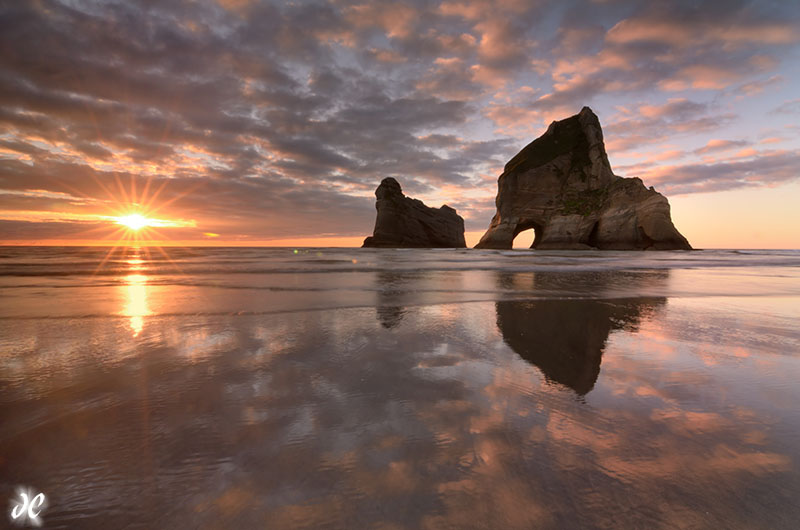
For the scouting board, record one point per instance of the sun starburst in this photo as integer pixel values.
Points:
(134, 221)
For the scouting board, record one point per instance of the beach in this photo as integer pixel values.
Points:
(384, 388)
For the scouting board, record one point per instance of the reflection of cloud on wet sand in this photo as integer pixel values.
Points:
(327, 418)
(620, 463)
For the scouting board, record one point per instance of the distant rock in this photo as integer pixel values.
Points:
(562, 186)
(403, 222)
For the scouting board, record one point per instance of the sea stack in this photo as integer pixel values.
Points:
(403, 222)
(562, 186)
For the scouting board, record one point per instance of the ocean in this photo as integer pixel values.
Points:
(382, 388)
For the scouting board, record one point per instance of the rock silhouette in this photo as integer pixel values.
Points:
(562, 186)
(403, 222)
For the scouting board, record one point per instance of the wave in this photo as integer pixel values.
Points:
(90, 262)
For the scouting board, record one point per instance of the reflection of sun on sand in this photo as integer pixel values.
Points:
(136, 307)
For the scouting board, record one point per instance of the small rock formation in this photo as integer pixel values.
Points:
(562, 186)
(403, 222)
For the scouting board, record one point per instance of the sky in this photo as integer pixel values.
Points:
(256, 123)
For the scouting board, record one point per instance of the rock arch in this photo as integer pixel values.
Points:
(561, 184)
(521, 228)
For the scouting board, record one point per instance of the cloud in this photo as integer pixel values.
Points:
(787, 107)
(756, 87)
(199, 104)
(681, 29)
(312, 103)
(720, 145)
(670, 46)
(648, 124)
(450, 77)
(674, 110)
(755, 168)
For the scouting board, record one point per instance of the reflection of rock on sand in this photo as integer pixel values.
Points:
(565, 338)
(390, 316)
(391, 286)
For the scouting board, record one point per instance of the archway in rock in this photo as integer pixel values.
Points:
(524, 239)
(526, 235)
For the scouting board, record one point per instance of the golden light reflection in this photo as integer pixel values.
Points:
(136, 308)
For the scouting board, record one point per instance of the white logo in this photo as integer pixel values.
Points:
(27, 508)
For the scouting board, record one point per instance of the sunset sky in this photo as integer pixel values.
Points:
(246, 122)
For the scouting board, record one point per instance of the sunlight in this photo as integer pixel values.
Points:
(134, 221)
(137, 221)
(524, 240)
(136, 307)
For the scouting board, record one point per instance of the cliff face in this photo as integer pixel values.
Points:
(403, 222)
(562, 186)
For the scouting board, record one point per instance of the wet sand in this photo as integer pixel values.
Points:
(414, 403)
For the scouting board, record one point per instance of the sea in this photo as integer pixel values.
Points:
(167, 387)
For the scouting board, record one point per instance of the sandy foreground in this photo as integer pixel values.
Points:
(404, 398)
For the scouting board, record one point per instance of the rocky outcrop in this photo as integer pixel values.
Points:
(403, 222)
(562, 186)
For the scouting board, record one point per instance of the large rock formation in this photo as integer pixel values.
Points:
(562, 186)
(407, 223)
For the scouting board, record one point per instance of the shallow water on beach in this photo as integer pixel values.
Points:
(350, 388)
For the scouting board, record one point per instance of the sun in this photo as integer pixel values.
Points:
(134, 221)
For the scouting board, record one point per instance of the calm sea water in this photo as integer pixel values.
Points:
(356, 388)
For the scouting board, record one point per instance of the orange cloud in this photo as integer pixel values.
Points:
(395, 19)
(679, 34)
(719, 145)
